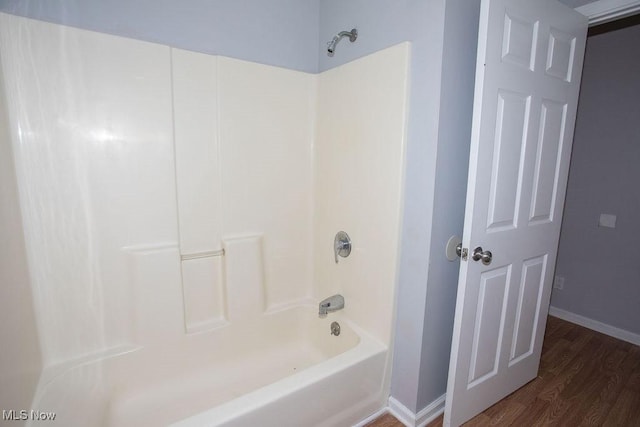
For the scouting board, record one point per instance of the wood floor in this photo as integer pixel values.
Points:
(585, 379)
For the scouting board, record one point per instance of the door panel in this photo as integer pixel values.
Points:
(560, 57)
(489, 325)
(519, 41)
(552, 121)
(511, 126)
(531, 286)
(527, 82)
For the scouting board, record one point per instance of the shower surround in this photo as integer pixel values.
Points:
(179, 211)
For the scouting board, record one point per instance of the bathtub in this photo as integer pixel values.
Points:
(280, 369)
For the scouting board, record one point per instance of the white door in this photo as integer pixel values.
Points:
(527, 81)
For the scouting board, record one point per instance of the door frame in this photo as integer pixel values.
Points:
(602, 11)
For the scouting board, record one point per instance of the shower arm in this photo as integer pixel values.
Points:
(331, 46)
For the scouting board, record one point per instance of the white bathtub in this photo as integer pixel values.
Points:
(282, 369)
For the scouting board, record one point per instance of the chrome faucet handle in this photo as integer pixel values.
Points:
(341, 245)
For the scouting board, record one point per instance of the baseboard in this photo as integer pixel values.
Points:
(401, 412)
(595, 325)
(422, 418)
(430, 412)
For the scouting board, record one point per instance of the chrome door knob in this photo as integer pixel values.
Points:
(485, 256)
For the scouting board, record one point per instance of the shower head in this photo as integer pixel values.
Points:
(331, 46)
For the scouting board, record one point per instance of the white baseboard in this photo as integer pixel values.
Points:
(595, 325)
(431, 412)
(422, 418)
(401, 412)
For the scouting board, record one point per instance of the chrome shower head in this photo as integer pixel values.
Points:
(331, 46)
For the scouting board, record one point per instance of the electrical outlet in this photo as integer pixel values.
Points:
(558, 283)
(607, 220)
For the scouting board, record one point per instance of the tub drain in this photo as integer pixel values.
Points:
(335, 328)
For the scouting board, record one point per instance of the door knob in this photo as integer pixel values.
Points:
(479, 254)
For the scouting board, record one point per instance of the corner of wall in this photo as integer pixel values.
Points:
(454, 133)
(417, 233)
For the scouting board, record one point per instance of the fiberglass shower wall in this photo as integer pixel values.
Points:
(90, 119)
(20, 361)
(137, 164)
(244, 149)
(93, 132)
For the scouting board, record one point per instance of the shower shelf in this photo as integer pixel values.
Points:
(197, 255)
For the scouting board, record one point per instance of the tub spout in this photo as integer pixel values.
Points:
(333, 303)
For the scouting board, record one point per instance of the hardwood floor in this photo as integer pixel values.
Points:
(387, 420)
(585, 379)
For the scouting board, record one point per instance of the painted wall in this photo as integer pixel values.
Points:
(456, 108)
(20, 359)
(275, 32)
(603, 179)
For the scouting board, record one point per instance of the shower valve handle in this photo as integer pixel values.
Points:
(341, 245)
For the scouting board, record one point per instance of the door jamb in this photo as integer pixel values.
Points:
(602, 11)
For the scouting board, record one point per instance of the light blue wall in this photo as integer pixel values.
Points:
(381, 23)
(275, 32)
(454, 136)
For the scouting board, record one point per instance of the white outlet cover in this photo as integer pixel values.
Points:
(607, 220)
(558, 283)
